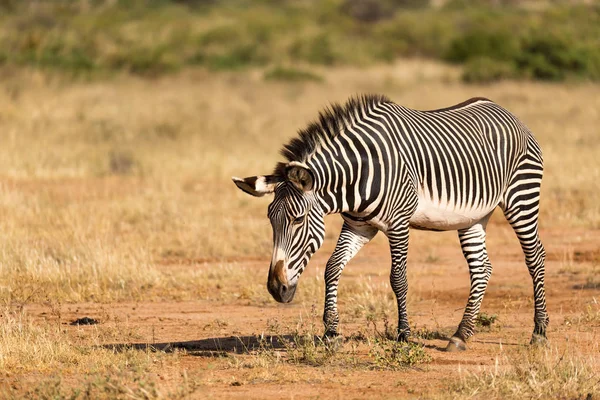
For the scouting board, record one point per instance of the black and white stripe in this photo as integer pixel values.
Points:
(387, 168)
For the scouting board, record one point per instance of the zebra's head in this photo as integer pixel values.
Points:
(297, 220)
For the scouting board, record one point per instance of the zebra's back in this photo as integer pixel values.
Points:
(461, 158)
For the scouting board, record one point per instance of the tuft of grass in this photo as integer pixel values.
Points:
(390, 354)
(486, 320)
(310, 349)
(299, 345)
(305, 346)
(428, 334)
(432, 258)
(533, 373)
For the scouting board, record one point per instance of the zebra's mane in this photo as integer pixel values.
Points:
(329, 124)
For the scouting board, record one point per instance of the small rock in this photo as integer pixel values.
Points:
(85, 321)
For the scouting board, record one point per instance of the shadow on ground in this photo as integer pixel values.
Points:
(211, 347)
(222, 346)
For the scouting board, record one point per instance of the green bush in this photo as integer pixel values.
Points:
(416, 33)
(232, 47)
(486, 70)
(493, 40)
(291, 75)
(144, 61)
(316, 50)
(555, 55)
(551, 57)
(479, 43)
(54, 51)
(237, 57)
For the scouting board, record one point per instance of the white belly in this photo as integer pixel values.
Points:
(444, 217)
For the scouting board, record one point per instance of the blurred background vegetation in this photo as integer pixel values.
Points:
(492, 39)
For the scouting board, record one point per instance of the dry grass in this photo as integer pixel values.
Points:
(533, 374)
(119, 191)
(27, 346)
(49, 360)
(589, 318)
(108, 386)
(104, 180)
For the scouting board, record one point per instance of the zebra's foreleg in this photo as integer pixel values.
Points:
(399, 248)
(352, 238)
(472, 242)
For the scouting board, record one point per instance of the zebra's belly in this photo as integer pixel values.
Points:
(432, 215)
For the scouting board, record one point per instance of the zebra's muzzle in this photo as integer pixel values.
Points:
(278, 284)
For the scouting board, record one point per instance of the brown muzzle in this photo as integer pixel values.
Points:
(278, 283)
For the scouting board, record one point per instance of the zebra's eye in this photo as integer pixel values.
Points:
(298, 220)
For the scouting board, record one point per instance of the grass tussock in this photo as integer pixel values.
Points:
(389, 354)
(26, 347)
(485, 320)
(429, 334)
(533, 374)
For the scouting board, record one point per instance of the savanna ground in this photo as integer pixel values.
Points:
(116, 204)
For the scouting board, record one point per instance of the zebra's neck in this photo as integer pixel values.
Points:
(347, 178)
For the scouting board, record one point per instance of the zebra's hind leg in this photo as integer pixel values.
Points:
(352, 238)
(521, 209)
(472, 242)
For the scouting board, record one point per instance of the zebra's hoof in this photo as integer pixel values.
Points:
(330, 335)
(538, 340)
(332, 341)
(456, 344)
(402, 337)
(403, 332)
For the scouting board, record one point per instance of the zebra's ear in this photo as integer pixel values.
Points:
(300, 175)
(257, 185)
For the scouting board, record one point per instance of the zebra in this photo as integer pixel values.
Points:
(389, 168)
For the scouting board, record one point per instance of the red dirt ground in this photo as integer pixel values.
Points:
(438, 295)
